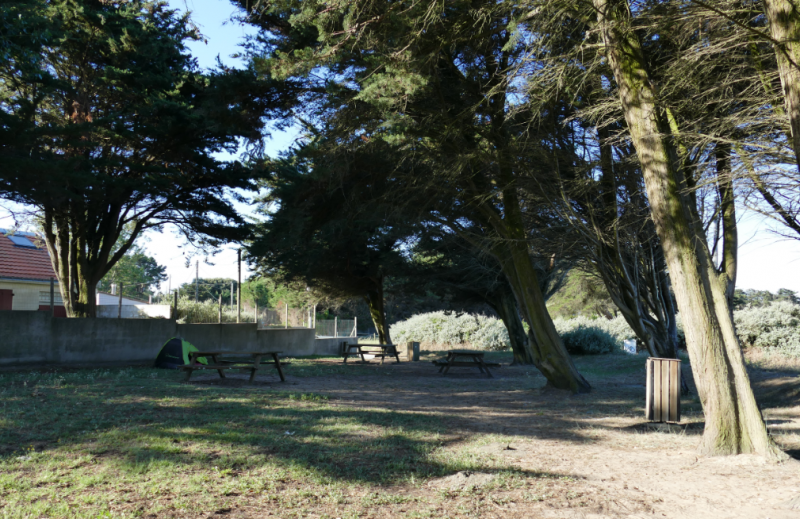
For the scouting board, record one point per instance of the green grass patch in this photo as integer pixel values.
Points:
(134, 442)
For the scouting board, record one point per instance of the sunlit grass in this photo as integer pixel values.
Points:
(132, 442)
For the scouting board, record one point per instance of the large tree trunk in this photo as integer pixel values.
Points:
(377, 312)
(784, 24)
(549, 354)
(733, 423)
(505, 304)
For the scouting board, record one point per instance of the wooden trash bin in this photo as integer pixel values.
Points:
(663, 402)
(412, 351)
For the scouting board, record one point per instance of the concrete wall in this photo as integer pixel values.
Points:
(330, 346)
(36, 339)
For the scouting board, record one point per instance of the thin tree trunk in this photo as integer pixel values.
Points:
(377, 312)
(505, 304)
(784, 25)
(730, 236)
(733, 423)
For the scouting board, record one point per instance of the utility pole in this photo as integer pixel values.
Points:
(196, 280)
(239, 288)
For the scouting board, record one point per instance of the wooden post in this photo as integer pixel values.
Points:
(335, 326)
(239, 289)
(286, 313)
(255, 302)
(175, 308)
(219, 312)
(52, 297)
(119, 308)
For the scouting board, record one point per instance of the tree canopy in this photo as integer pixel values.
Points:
(118, 131)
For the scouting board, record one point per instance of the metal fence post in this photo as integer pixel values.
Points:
(239, 290)
(355, 326)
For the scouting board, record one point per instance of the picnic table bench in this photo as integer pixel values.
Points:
(475, 361)
(378, 350)
(220, 363)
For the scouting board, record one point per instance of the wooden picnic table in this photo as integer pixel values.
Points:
(364, 349)
(220, 363)
(475, 361)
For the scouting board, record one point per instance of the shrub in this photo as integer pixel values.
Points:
(208, 312)
(776, 327)
(449, 328)
(585, 336)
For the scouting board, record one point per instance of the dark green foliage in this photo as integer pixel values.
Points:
(324, 230)
(586, 340)
(209, 289)
(751, 297)
(139, 274)
(119, 134)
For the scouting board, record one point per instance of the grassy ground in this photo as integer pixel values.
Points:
(334, 441)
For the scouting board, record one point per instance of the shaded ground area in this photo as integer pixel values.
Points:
(371, 440)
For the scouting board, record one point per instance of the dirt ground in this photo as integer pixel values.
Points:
(588, 456)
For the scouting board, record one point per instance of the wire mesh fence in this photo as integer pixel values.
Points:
(336, 328)
(283, 316)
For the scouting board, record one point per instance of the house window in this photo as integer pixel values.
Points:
(44, 298)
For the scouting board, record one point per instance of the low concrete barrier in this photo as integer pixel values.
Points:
(134, 311)
(29, 338)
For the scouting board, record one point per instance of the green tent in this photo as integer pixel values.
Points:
(175, 353)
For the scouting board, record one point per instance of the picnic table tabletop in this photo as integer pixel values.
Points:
(220, 365)
(361, 350)
(229, 352)
(452, 361)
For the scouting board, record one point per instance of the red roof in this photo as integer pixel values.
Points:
(24, 262)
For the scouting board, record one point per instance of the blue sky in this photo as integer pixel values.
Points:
(766, 262)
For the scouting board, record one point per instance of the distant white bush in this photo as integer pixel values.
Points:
(449, 328)
(776, 327)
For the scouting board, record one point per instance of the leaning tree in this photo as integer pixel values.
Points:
(434, 82)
